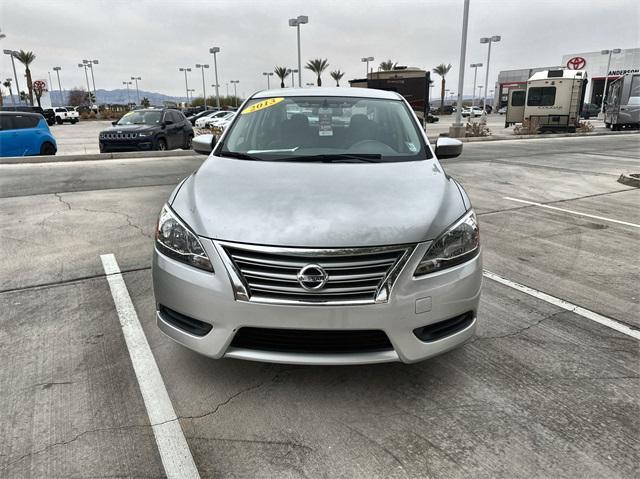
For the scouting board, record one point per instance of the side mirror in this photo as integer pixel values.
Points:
(204, 144)
(448, 148)
(167, 123)
(114, 123)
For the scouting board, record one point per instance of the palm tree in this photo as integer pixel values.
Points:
(282, 73)
(317, 66)
(388, 65)
(26, 58)
(442, 70)
(337, 76)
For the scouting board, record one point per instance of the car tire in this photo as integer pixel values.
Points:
(187, 144)
(59, 120)
(161, 145)
(607, 125)
(47, 149)
(74, 121)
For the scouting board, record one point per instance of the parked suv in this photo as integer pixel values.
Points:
(46, 113)
(65, 115)
(148, 129)
(23, 134)
(322, 229)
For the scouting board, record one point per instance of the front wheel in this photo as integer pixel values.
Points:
(74, 121)
(59, 120)
(162, 144)
(187, 143)
(47, 149)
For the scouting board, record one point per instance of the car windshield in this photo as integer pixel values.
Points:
(141, 118)
(325, 128)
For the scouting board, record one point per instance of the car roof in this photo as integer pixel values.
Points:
(21, 113)
(329, 91)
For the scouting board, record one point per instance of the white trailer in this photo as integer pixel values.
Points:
(552, 102)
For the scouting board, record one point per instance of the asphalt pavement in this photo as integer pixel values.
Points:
(549, 387)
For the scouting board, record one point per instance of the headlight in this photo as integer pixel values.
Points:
(144, 134)
(176, 240)
(458, 244)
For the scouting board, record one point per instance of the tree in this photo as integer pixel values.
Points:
(317, 66)
(145, 102)
(442, 70)
(282, 73)
(337, 76)
(388, 65)
(39, 87)
(77, 97)
(26, 58)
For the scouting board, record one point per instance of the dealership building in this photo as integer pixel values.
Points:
(594, 63)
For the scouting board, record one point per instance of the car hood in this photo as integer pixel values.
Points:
(129, 128)
(319, 204)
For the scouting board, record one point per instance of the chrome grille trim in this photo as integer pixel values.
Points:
(267, 274)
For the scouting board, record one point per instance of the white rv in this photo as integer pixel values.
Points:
(552, 101)
(623, 103)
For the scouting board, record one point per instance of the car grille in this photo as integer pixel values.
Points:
(312, 341)
(354, 275)
(119, 136)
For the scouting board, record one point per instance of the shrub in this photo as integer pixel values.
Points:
(528, 127)
(585, 127)
(478, 128)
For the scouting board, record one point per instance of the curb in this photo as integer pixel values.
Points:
(545, 136)
(630, 179)
(96, 156)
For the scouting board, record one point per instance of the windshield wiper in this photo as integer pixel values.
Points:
(337, 158)
(241, 156)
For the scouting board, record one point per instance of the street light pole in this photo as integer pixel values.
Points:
(268, 75)
(489, 40)
(186, 83)
(457, 129)
(293, 70)
(127, 83)
(606, 75)
(137, 90)
(15, 75)
(57, 70)
(473, 92)
(84, 65)
(367, 60)
(204, 90)
(214, 50)
(296, 22)
(235, 92)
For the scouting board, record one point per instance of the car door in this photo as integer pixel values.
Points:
(171, 130)
(23, 136)
(8, 136)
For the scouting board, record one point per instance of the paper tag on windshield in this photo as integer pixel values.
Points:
(324, 122)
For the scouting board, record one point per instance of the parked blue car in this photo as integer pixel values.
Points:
(23, 134)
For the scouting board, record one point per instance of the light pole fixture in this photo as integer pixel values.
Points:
(606, 74)
(291, 71)
(268, 75)
(296, 22)
(186, 84)
(213, 51)
(192, 92)
(137, 90)
(475, 67)
(90, 64)
(57, 70)
(9, 80)
(86, 74)
(457, 129)
(367, 60)
(479, 91)
(13, 53)
(489, 40)
(235, 91)
(202, 66)
(127, 83)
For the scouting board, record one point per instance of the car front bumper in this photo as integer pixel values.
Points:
(209, 297)
(140, 144)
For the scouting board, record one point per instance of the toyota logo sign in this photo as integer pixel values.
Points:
(576, 63)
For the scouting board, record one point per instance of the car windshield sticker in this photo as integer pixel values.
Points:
(324, 120)
(412, 147)
(261, 105)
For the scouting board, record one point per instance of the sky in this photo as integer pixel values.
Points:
(152, 39)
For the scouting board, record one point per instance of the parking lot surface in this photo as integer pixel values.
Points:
(546, 389)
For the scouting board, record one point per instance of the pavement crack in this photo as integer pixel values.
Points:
(373, 441)
(66, 203)
(521, 330)
(69, 441)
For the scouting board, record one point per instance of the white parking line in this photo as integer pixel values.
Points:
(172, 445)
(585, 313)
(541, 205)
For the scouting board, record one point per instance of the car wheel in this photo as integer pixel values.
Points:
(187, 144)
(162, 144)
(59, 120)
(607, 125)
(47, 149)
(74, 121)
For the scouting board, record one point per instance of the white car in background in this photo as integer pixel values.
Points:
(201, 122)
(219, 121)
(474, 110)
